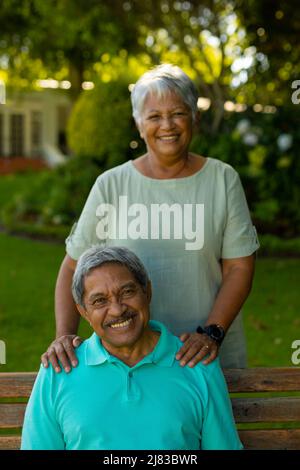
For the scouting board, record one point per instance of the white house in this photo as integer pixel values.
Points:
(33, 125)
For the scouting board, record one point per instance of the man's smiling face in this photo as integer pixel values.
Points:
(116, 306)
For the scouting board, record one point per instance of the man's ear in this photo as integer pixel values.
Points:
(149, 291)
(83, 312)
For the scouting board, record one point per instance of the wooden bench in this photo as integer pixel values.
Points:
(248, 407)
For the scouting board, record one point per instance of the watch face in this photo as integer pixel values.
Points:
(215, 332)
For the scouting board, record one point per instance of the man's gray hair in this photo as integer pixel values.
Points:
(159, 81)
(95, 257)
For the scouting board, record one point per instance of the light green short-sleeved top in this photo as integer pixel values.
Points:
(180, 229)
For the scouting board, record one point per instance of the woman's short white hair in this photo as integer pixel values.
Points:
(159, 81)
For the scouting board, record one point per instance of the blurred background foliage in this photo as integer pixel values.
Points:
(242, 52)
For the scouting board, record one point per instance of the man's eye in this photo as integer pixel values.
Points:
(100, 301)
(153, 117)
(128, 291)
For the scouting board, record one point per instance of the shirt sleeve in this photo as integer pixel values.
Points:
(83, 233)
(41, 431)
(218, 430)
(239, 237)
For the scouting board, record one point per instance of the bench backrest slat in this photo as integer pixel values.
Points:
(263, 379)
(266, 410)
(16, 385)
(271, 439)
(12, 415)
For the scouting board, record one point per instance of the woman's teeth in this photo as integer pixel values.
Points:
(121, 324)
(169, 138)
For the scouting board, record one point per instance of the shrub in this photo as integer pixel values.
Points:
(54, 200)
(101, 124)
(263, 149)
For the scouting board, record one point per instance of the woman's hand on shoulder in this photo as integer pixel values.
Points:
(196, 347)
(62, 350)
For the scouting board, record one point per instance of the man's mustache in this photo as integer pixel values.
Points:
(125, 316)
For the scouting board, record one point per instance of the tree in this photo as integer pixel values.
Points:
(67, 40)
(273, 29)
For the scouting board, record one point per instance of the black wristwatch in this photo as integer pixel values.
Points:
(215, 332)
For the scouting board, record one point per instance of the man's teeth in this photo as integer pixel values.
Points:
(122, 324)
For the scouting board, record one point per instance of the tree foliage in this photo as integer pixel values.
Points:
(63, 35)
(233, 49)
(70, 38)
(273, 28)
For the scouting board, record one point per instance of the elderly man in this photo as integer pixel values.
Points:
(128, 391)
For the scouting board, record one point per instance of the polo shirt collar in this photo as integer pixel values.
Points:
(163, 354)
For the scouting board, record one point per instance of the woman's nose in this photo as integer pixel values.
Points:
(167, 123)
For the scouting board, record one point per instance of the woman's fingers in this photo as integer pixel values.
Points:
(196, 348)
(206, 352)
(211, 357)
(77, 341)
(44, 360)
(183, 348)
(69, 351)
(61, 353)
(57, 356)
(192, 350)
(184, 337)
(188, 343)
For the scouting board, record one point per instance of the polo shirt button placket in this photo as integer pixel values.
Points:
(132, 389)
(129, 386)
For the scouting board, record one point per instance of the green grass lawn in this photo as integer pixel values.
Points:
(28, 272)
(272, 312)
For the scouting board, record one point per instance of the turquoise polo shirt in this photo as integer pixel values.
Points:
(105, 404)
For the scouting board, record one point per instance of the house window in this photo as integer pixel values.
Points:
(17, 135)
(36, 133)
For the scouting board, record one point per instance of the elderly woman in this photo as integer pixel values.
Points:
(187, 219)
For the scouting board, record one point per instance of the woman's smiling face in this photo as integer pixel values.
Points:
(166, 125)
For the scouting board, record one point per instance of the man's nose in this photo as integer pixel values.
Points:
(116, 308)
